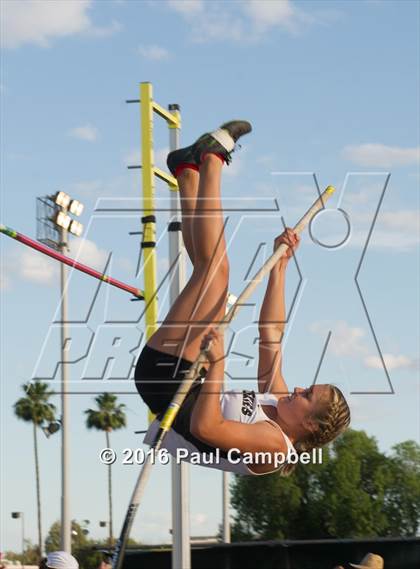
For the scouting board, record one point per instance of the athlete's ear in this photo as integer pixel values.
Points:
(310, 424)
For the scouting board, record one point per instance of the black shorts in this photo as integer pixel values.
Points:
(158, 376)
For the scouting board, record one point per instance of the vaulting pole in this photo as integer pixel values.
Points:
(70, 262)
(193, 372)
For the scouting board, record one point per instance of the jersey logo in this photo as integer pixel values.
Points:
(248, 398)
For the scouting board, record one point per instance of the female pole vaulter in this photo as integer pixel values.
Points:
(262, 425)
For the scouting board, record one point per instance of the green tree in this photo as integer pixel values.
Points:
(36, 409)
(82, 547)
(257, 500)
(88, 552)
(107, 417)
(402, 504)
(353, 486)
(29, 557)
(356, 492)
(79, 537)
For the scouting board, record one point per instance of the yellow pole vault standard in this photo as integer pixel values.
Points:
(185, 386)
(149, 220)
(149, 171)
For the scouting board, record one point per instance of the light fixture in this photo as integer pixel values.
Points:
(62, 220)
(63, 206)
(102, 524)
(76, 228)
(62, 199)
(51, 428)
(76, 207)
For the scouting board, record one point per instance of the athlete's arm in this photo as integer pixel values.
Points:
(209, 425)
(272, 321)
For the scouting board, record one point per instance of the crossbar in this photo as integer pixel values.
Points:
(70, 262)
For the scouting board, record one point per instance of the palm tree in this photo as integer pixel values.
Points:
(35, 409)
(108, 417)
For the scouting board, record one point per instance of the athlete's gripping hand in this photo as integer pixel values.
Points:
(214, 346)
(289, 238)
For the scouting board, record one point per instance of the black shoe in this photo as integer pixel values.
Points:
(236, 129)
(180, 156)
(221, 141)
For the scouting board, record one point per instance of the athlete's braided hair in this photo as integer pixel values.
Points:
(332, 417)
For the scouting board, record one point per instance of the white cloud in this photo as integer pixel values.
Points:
(38, 22)
(105, 31)
(404, 220)
(132, 157)
(345, 340)
(87, 252)
(38, 268)
(392, 361)
(266, 14)
(217, 25)
(238, 21)
(348, 341)
(117, 186)
(398, 230)
(187, 7)
(394, 241)
(27, 264)
(380, 155)
(35, 267)
(153, 52)
(357, 198)
(86, 132)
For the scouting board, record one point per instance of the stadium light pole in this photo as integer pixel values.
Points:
(21, 516)
(62, 206)
(226, 507)
(65, 507)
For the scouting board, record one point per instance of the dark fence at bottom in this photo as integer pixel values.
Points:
(398, 553)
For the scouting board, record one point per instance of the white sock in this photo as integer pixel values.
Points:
(223, 137)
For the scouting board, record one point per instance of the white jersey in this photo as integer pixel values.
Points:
(241, 406)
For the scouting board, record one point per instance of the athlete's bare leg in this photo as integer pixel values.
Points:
(202, 302)
(188, 181)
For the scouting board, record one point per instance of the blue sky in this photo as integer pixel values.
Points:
(331, 89)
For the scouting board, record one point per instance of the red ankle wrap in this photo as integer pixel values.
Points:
(183, 166)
